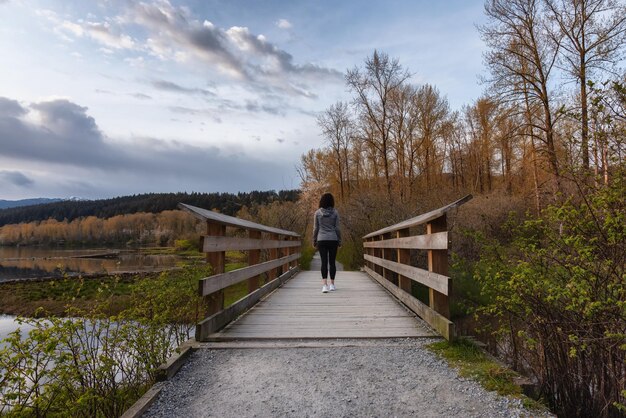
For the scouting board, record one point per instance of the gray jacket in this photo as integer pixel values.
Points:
(326, 226)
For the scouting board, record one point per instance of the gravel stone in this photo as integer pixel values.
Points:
(378, 378)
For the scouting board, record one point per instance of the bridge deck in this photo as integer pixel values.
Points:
(359, 308)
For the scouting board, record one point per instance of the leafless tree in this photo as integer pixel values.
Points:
(521, 59)
(338, 130)
(592, 35)
(373, 87)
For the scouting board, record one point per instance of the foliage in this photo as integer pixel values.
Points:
(92, 364)
(559, 297)
(306, 257)
(227, 203)
(350, 256)
(473, 363)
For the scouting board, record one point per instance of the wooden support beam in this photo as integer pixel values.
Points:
(254, 257)
(215, 302)
(438, 263)
(273, 255)
(404, 257)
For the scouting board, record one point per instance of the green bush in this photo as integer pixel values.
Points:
(306, 256)
(558, 296)
(96, 365)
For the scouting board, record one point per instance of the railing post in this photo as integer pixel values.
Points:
(404, 257)
(438, 263)
(273, 254)
(254, 256)
(293, 250)
(284, 252)
(217, 260)
(379, 253)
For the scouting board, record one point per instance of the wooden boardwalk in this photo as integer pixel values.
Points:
(359, 308)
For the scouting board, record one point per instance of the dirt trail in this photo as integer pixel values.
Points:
(325, 378)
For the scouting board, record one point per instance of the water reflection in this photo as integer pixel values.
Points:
(31, 262)
(8, 324)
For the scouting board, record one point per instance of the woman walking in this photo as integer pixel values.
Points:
(327, 238)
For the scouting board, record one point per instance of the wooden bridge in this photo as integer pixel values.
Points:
(273, 336)
(365, 304)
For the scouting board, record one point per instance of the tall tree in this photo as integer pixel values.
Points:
(374, 87)
(433, 117)
(591, 34)
(338, 130)
(521, 58)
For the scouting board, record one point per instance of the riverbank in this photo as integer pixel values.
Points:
(54, 297)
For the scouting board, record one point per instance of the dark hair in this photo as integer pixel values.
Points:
(327, 201)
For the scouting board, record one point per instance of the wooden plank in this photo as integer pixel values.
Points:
(219, 320)
(273, 255)
(169, 369)
(143, 403)
(359, 308)
(217, 260)
(433, 280)
(213, 284)
(403, 255)
(421, 219)
(441, 324)
(438, 241)
(208, 215)
(438, 264)
(254, 256)
(212, 243)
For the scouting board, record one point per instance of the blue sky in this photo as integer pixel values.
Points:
(105, 98)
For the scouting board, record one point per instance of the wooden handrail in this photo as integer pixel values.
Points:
(282, 263)
(209, 215)
(421, 219)
(388, 260)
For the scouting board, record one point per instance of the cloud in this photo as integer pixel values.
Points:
(61, 137)
(102, 32)
(284, 24)
(235, 52)
(141, 96)
(11, 108)
(15, 178)
(170, 86)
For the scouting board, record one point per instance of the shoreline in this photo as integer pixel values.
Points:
(23, 297)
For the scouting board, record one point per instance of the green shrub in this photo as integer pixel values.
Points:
(93, 364)
(558, 296)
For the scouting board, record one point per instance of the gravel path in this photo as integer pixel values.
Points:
(326, 378)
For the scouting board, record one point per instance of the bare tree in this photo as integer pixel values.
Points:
(433, 117)
(521, 59)
(373, 88)
(338, 130)
(591, 34)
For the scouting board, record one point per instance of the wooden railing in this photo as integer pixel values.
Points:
(388, 260)
(282, 251)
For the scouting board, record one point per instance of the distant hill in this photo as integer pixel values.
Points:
(227, 203)
(5, 204)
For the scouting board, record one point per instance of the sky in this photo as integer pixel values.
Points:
(105, 98)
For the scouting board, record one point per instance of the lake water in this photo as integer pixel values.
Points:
(36, 262)
(8, 324)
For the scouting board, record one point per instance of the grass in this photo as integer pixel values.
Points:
(472, 363)
(306, 257)
(348, 256)
(24, 298)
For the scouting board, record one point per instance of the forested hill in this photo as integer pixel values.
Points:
(227, 203)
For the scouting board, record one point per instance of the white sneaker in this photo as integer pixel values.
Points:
(324, 289)
(332, 288)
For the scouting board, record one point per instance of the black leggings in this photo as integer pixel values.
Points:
(328, 253)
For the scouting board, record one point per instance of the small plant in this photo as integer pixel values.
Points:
(472, 363)
(92, 363)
